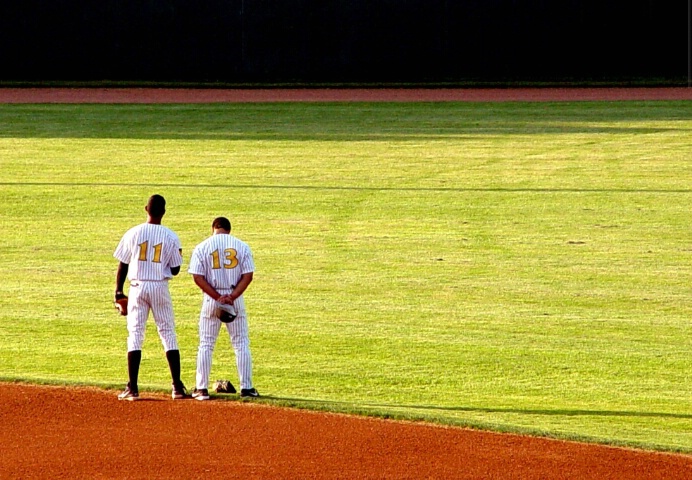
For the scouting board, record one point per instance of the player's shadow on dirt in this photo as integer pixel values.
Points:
(522, 411)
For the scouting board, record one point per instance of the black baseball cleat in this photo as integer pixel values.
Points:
(249, 393)
(130, 394)
(179, 392)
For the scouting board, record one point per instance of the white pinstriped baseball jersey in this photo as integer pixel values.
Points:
(150, 250)
(222, 259)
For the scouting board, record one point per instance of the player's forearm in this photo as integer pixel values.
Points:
(121, 276)
(205, 286)
(239, 289)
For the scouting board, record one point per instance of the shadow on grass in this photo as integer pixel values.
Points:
(337, 122)
(342, 406)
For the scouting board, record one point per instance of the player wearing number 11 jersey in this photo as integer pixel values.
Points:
(222, 267)
(150, 255)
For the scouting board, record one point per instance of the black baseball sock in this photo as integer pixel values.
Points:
(173, 357)
(133, 359)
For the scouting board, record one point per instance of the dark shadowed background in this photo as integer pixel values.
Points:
(350, 41)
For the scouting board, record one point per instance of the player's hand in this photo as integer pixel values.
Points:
(120, 301)
(226, 299)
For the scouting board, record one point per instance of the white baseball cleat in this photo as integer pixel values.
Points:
(130, 394)
(200, 394)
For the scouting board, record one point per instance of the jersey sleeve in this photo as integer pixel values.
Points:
(248, 263)
(176, 252)
(123, 252)
(196, 266)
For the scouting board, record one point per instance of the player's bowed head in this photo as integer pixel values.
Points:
(156, 208)
(221, 225)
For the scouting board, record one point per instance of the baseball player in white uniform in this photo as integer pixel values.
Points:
(150, 255)
(222, 267)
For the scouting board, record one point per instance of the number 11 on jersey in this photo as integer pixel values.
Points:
(143, 250)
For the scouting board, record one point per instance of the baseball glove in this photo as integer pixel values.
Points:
(224, 386)
(120, 303)
(226, 313)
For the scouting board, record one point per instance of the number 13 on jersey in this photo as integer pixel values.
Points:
(229, 259)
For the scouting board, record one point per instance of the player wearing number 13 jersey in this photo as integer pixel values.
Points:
(222, 267)
(150, 255)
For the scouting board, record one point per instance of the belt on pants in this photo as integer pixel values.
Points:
(135, 283)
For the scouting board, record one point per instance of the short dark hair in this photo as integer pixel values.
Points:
(221, 222)
(156, 206)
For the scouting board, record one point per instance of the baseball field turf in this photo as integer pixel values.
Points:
(521, 267)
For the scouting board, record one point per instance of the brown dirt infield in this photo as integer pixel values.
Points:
(51, 432)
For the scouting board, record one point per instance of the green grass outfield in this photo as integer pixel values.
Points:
(522, 267)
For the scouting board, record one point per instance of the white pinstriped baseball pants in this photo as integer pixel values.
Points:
(209, 328)
(143, 297)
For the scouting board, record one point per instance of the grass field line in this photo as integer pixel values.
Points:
(337, 188)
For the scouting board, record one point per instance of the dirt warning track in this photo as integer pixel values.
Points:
(174, 95)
